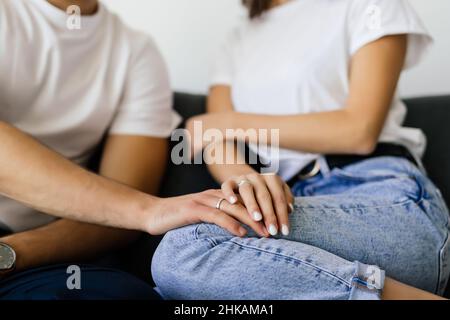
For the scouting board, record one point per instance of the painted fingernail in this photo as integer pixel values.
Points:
(233, 200)
(291, 206)
(257, 216)
(285, 230)
(273, 230)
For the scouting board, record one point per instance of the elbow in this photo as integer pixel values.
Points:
(364, 142)
(366, 147)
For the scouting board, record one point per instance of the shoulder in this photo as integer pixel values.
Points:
(140, 44)
(384, 8)
(10, 9)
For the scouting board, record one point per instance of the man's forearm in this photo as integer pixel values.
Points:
(40, 178)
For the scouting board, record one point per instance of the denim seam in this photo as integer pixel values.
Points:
(316, 208)
(441, 252)
(326, 272)
(208, 239)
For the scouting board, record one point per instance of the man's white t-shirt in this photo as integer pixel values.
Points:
(67, 88)
(295, 59)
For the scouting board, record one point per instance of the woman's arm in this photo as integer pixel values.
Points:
(355, 129)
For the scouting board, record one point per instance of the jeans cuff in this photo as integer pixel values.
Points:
(367, 283)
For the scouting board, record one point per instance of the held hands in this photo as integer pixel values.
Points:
(207, 207)
(266, 197)
(261, 201)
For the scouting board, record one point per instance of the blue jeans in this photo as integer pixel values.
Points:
(97, 283)
(349, 226)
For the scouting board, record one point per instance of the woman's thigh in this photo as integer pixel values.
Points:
(383, 211)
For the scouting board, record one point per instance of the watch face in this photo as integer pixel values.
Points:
(7, 257)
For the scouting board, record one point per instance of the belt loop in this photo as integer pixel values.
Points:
(324, 167)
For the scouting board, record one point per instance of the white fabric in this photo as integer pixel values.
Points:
(67, 88)
(295, 60)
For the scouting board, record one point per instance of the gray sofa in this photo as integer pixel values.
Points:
(431, 114)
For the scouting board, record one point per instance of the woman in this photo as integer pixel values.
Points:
(323, 73)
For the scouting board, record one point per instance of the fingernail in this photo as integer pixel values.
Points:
(291, 206)
(257, 216)
(273, 230)
(233, 200)
(285, 230)
(242, 231)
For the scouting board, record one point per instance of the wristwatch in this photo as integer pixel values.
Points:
(7, 258)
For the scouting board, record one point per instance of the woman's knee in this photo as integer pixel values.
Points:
(181, 253)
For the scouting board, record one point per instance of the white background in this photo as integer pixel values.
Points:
(189, 31)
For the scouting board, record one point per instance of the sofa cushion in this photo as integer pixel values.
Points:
(432, 115)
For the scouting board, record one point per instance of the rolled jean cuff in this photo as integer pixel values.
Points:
(367, 283)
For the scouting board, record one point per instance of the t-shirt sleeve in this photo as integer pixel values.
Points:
(222, 66)
(370, 20)
(146, 104)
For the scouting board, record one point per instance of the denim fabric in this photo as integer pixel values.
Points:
(381, 212)
(50, 283)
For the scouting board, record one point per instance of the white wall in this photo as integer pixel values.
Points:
(189, 31)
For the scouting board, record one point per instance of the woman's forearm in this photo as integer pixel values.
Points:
(40, 178)
(326, 132)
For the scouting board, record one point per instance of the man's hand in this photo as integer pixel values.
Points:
(177, 212)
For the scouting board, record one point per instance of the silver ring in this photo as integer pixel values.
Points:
(219, 203)
(241, 183)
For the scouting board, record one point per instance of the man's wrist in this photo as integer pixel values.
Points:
(19, 243)
(148, 210)
(6, 273)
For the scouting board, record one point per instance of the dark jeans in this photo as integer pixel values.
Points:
(97, 283)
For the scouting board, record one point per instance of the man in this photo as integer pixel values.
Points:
(61, 91)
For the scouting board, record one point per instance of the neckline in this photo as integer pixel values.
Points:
(59, 17)
(281, 9)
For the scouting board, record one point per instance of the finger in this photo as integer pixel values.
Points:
(236, 211)
(228, 188)
(249, 200)
(289, 197)
(217, 217)
(266, 204)
(240, 213)
(276, 189)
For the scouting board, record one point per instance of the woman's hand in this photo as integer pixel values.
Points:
(266, 197)
(172, 213)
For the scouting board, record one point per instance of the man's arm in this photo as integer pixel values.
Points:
(135, 161)
(42, 179)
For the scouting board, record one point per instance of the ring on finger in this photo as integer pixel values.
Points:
(242, 182)
(219, 203)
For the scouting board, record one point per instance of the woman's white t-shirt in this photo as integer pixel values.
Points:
(295, 59)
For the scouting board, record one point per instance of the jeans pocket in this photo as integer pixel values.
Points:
(392, 187)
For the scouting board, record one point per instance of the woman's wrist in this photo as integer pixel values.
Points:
(224, 172)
